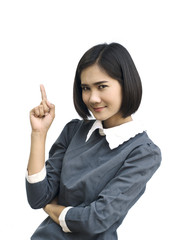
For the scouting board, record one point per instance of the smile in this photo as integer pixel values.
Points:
(99, 109)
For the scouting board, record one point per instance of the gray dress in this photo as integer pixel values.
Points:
(99, 183)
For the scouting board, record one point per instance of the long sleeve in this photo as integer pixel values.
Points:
(119, 195)
(41, 193)
(38, 177)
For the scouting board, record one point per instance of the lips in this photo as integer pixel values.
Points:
(98, 109)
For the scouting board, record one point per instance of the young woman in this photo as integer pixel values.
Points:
(97, 169)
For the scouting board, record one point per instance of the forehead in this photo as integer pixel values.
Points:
(94, 74)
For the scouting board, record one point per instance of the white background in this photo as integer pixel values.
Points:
(42, 42)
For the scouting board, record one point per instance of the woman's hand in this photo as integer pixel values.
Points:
(54, 210)
(42, 116)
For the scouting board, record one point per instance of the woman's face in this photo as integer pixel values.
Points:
(102, 95)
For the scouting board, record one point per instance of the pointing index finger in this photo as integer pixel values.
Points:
(43, 92)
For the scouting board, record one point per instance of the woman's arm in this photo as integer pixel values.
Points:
(41, 118)
(37, 153)
(54, 210)
(119, 195)
(39, 194)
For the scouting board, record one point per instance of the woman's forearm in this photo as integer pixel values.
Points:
(37, 153)
(54, 211)
(41, 118)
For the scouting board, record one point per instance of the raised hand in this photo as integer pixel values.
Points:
(41, 117)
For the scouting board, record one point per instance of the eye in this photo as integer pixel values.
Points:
(102, 86)
(85, 88)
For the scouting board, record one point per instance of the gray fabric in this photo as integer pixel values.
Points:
(101, 184)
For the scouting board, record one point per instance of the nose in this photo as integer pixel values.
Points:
(94, 98)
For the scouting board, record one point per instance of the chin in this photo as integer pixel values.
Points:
(100, 118)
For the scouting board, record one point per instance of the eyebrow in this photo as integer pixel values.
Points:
(96, 83)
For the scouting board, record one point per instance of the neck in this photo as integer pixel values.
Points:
(109, 123)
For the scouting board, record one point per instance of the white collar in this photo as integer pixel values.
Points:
(115, 136)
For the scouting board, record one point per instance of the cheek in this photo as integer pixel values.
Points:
(115, 98)
(119, 97)
(84, 98)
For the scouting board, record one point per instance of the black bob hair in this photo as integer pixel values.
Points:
(116, 61)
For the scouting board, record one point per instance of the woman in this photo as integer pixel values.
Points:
(97, 169)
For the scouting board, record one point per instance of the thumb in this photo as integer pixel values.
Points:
(51, 106)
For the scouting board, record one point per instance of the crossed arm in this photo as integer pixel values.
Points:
(54, 210)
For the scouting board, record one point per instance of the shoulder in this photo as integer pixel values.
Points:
(144, 147)
(149, 144)
(143, 140)
(77, 123)
(73, 124)
(65, 136)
